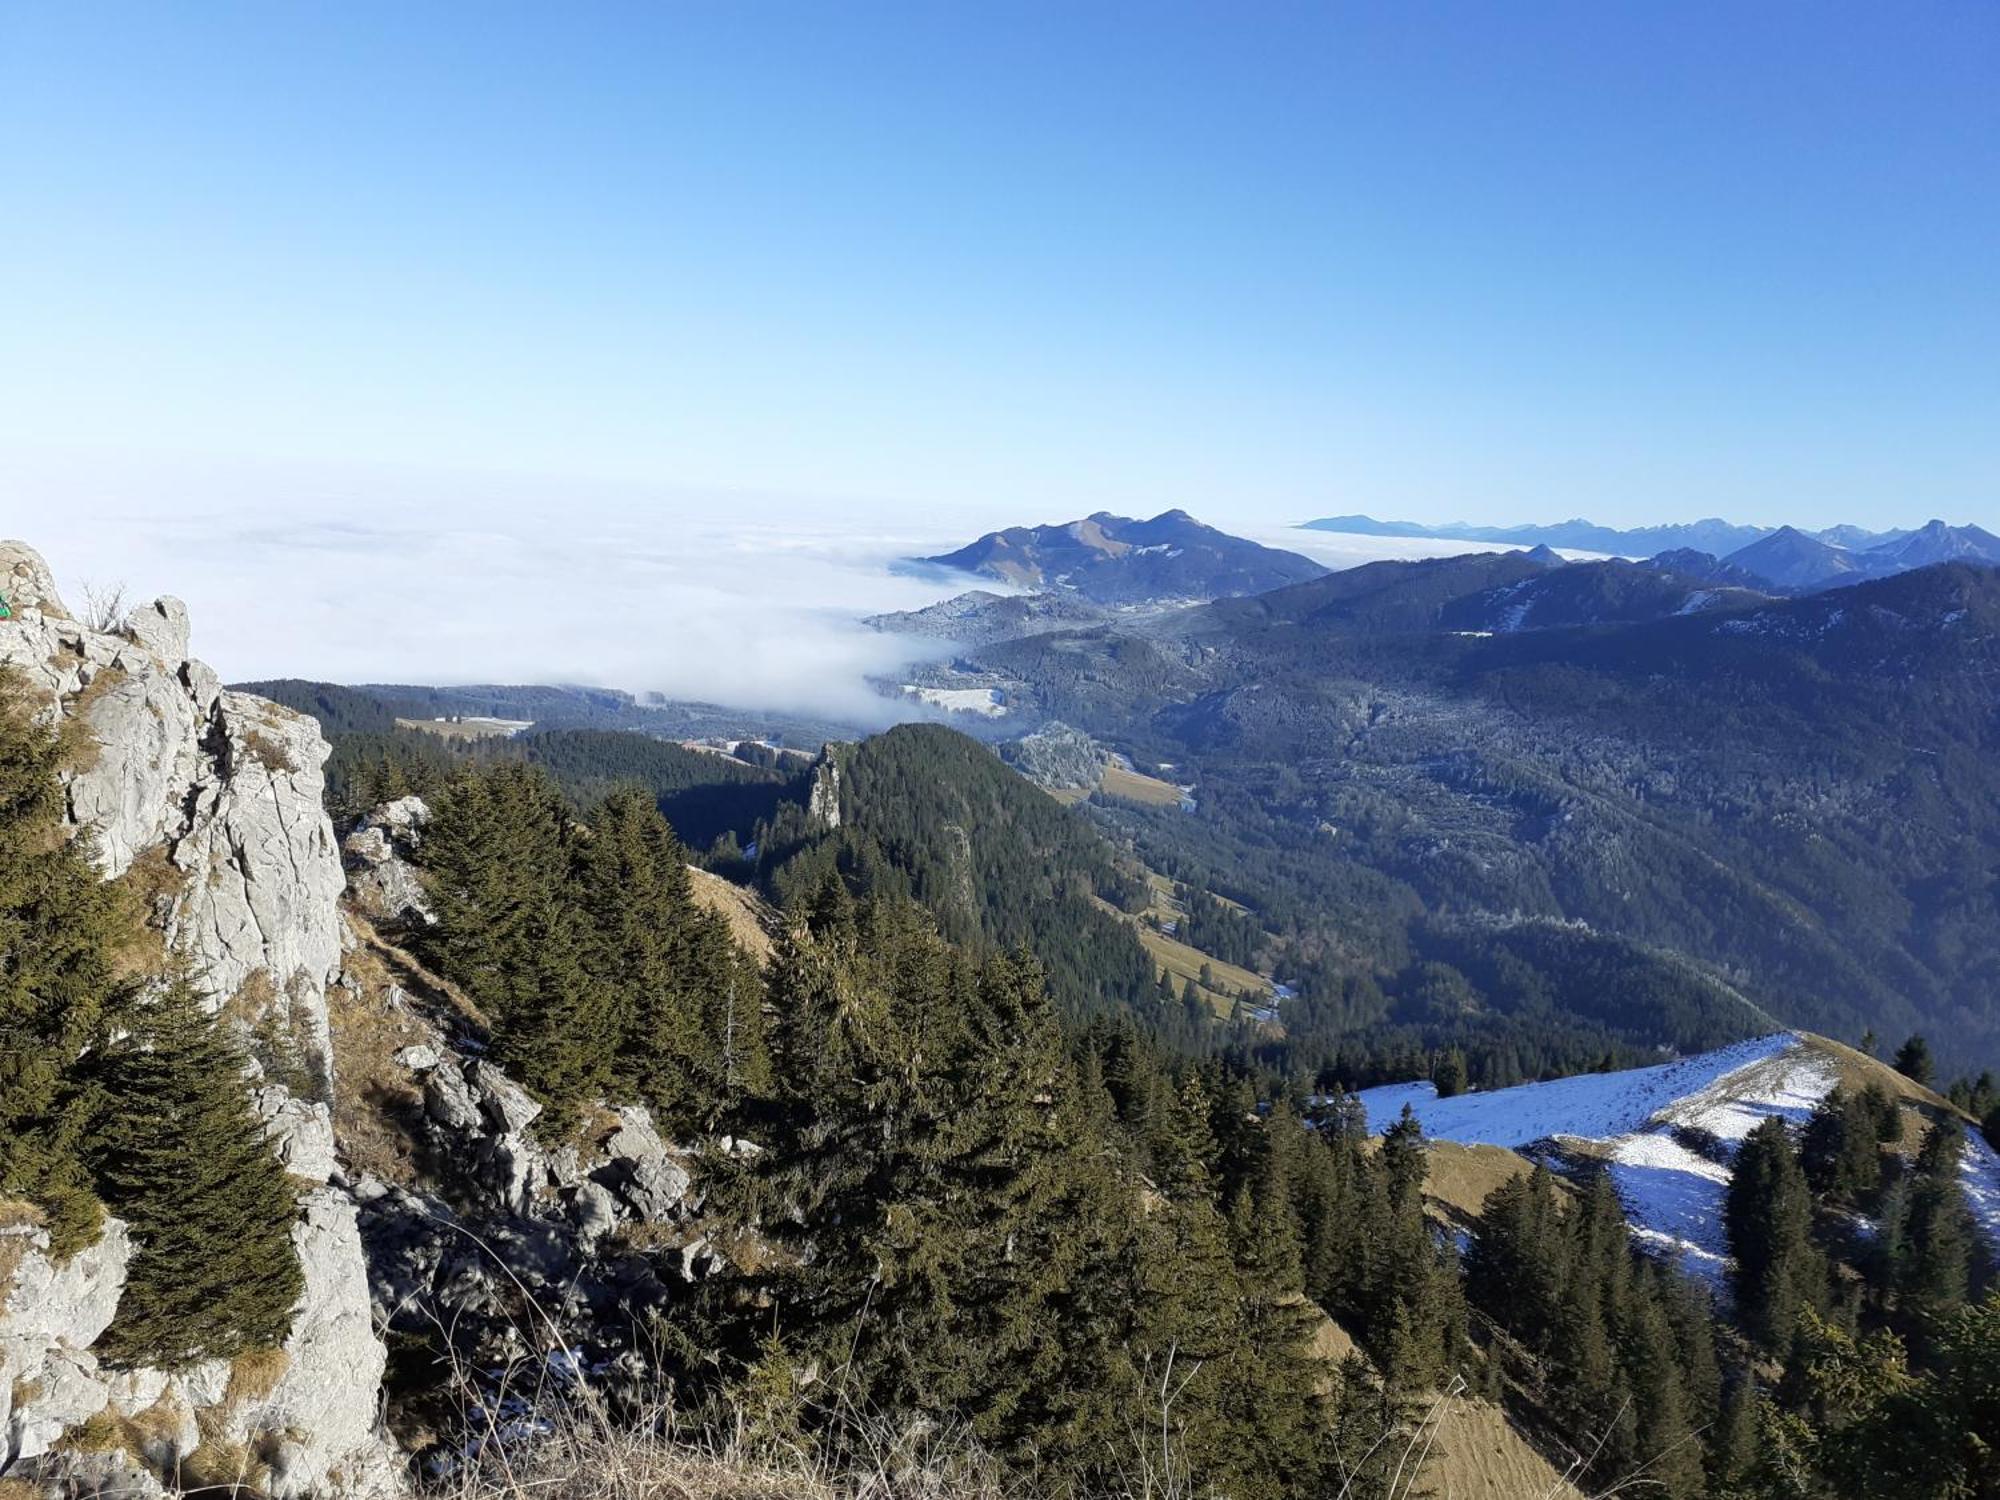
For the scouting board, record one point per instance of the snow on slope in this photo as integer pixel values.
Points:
(1589, 1106)
(1672, 1192)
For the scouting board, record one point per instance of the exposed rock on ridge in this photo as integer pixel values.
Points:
(211, 800)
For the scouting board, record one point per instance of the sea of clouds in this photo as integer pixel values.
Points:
(372, 576)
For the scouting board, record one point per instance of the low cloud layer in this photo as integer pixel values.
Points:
(380, 576)
(735, 600)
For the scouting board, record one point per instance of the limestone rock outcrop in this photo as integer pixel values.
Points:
(517, 1245)
(209, 802)
(382, 882)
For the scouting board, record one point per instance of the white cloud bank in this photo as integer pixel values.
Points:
(384, 576)
(731, 599)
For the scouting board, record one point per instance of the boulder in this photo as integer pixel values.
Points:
(300, 1131)
(418, 1057)
(506, 1103)
(449, 1101)
(595, 1210)
(161, 627)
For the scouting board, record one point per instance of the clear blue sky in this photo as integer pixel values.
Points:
(1497, 261)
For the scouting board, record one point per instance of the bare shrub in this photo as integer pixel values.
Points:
(104, 607)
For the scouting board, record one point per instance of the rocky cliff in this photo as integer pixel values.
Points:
(209, 803)
(430, 1215)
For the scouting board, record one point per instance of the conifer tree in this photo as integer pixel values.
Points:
(1838, 1149)
(1449, 1076)
(1662, 1445)
(1767, 1211)
(185, 1163)
(497, 859)
(1913, 1059)
(59, 930)
(672, 998)
(930, 1150)
(1934, 1265)
(1513, 1263)
(1883, 1111)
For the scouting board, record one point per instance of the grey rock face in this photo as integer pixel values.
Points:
(823, 800)
(321, 1413)
(221, 789)
(51, 1315)
(381, 880)
(300, 1130)
(216, 797)
(513, 1243)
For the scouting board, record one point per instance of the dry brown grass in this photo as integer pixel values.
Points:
(152, 885)
(1460, 1177)
(1921, 1106)
(1479, 1456)
(751, 920)
(376, 1101)
(1132, 786)
(268, 753)
(254, 1374)
(15, 1214)
(381, 961)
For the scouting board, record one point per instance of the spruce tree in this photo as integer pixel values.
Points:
(1838, 1149)
(664, 971)
(1449, 1076)
(498, 859)
(931, 1162)
(1662, 1446)
(1934, 1266)
(1913, 1060)
(1767, 1212)
(185, 1163)
(60, 927)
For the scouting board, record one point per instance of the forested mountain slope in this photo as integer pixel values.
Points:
(1800, 792)
(923, 813)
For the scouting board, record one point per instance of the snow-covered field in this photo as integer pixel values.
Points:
(986, 701)
(1672, 1193)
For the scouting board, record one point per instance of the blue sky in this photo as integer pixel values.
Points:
(1008, 262)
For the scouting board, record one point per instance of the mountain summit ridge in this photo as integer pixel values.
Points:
(1117, 560)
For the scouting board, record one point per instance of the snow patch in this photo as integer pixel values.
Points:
(1979, 1171)
(1589, 1106)
(1672, 1192)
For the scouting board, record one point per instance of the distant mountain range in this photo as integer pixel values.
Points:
(1785, 558)
(1118, 561)
(1714, 535)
